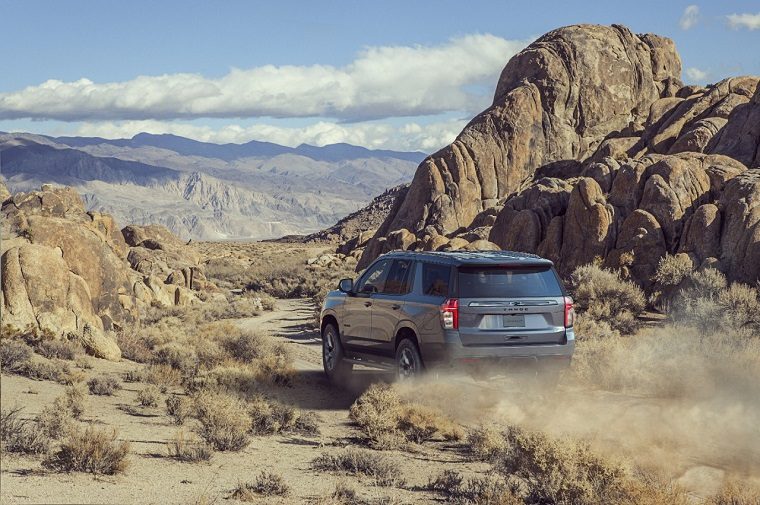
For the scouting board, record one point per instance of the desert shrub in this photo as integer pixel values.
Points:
(163, 376)
(149, 396)
(247, 346)
(50, 370)
(103, 386)
(672, 270)
(343, 494)
(237, 308)
(83, 362)
(307, 423)
(266, 484)
(270, 417)
(178, 356)
(361, 462)
(135, 375)
(604, 296)
(188, 450)
(90, 450)
(22, 436)
(486, 442)
(489, 489)
(555, 471)
(14, 354)
(709, 303)
(735, 493)
(376, 412)
(420, 423)
(178, 408)
(134, 347)
(59, 349)
(57, 419)
(224, 421)
(386, 420)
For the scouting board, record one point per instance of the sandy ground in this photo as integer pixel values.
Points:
(693, 443)
(152, 477)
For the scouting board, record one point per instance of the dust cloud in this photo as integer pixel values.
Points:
(669, 399)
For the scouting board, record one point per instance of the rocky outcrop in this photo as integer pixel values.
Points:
(556, 100)
(593, 150)
(65, 271)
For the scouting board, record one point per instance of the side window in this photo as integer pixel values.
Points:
(435, 279)
(373, 280)
(399, 278)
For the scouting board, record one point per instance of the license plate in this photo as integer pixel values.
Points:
(513, 320)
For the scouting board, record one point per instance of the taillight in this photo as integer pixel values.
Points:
(569, 312)
(450, 314)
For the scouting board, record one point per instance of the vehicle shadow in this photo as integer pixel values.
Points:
(313, 391)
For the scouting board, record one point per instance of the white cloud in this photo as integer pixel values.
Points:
(373, 135)
(381, 82)
(694, 74)
(689, 17)
(748, 21)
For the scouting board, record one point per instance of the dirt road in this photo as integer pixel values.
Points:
(154, 478)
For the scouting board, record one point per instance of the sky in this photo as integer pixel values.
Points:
(404, 75)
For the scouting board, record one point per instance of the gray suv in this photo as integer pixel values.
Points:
(414, 310)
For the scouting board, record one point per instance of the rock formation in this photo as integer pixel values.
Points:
(66, 271)
(593, 149)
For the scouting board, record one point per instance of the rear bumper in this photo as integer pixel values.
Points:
(452, 352)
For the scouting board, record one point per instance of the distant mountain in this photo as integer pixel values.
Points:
(229, 152)
(202, 190)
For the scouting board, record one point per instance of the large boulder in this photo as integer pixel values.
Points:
(555, 100)
(65, 270)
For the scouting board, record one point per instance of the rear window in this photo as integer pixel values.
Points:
(507, 282)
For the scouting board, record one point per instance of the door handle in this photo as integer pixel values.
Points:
(367, 304)
(395, 306)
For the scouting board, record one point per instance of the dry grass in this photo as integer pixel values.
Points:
(386, 420)
(604, 296)
(489, 489)
(266, 484)
(269, 417)
(224, 421)
(179, 408)
(735, 493)
(149, 396)
(22, 436)
(361, 462)
(14, 355)
(103, 386)
(90, 450)
(60, 349)
(189, 451)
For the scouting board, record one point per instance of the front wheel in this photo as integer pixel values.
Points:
(336, 367)
(408, 360)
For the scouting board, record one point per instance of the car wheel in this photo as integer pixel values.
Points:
(408, 360)
(333, 360)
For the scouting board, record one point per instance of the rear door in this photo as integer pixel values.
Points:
(388, 304)
(357, 309)
(510, 306)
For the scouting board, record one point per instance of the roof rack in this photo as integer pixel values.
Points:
(475, 257)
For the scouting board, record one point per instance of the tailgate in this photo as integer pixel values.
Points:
(511, 322)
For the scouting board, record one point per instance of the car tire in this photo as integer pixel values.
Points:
(408, 360)
(333, 358)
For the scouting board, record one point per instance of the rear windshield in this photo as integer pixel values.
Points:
(507, 282)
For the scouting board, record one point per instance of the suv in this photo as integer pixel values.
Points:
(414, 310)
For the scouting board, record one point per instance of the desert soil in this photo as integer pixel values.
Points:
(641, 426)
(152, 477)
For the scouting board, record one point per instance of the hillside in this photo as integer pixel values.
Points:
(199, 190)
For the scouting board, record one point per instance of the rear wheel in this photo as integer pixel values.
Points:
(408, 360)
(333, 358)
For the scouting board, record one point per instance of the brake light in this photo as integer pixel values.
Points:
(569, 312)
(450, 314)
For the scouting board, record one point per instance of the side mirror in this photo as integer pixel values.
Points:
(346, 285)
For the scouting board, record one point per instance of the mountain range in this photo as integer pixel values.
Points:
(207, 191)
